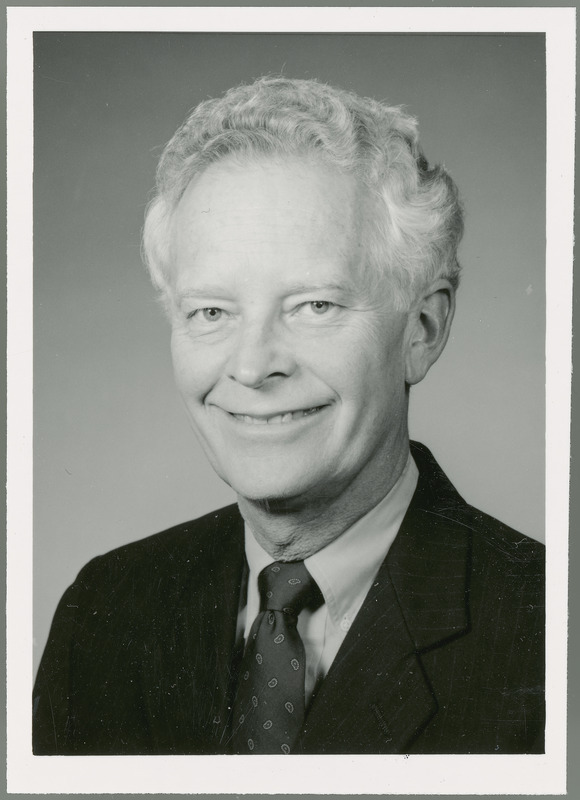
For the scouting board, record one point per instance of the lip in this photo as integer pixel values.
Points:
(274, 419)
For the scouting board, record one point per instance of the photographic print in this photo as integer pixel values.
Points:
(289, 330)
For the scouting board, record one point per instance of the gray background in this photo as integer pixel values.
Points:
(114, 458)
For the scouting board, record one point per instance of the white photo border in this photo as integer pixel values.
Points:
(478, 774)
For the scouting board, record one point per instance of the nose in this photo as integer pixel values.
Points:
(260, 355)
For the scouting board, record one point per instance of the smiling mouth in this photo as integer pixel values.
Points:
(276, 419)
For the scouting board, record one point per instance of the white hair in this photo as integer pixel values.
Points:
(414, 234)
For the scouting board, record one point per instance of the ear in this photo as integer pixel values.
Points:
(428, 329)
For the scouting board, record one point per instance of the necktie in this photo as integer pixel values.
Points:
(269, 706)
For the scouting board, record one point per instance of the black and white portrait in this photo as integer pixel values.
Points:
(289, 394)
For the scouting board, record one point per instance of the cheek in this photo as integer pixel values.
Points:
(383, 348)
(367, 359)
(194, 366)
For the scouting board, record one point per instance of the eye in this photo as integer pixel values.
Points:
(210, 314)
(320, 306)
(317, 308)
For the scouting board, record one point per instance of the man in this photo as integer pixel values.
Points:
(351, 602)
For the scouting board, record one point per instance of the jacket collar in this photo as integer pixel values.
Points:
(219, 603)
(429, 562)
(376, 697)
(189, 684)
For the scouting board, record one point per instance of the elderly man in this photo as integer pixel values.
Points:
(351, 602)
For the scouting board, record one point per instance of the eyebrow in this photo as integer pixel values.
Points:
(207, 289)
(302, 288)
(201, 291)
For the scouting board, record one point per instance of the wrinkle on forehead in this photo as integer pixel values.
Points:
(271, 188)
(299, 213)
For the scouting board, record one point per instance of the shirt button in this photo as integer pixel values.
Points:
(345, 624)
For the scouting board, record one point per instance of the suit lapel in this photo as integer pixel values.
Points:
(430, 560)
(375, 694)
(188, 683)
(377, 697)
(219, 602)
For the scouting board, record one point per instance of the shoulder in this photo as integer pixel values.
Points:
(500, 542)
(491, 541)
(165, 558)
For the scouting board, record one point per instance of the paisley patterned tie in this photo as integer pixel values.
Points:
(269, 707)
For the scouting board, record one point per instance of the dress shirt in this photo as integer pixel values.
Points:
(344, 571)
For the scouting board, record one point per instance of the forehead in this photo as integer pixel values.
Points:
(284, 209)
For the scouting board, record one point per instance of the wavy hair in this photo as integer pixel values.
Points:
(417, 223)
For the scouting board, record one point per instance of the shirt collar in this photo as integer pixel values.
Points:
(345, 568)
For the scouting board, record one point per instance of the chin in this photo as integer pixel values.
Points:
(282, 490)
(268, 494)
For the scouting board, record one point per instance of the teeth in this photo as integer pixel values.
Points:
(278, 419)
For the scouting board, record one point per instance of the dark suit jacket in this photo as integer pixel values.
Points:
(445, 656)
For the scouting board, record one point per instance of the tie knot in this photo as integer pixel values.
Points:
(288, 587)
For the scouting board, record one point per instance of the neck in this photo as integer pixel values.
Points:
(292, 529)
